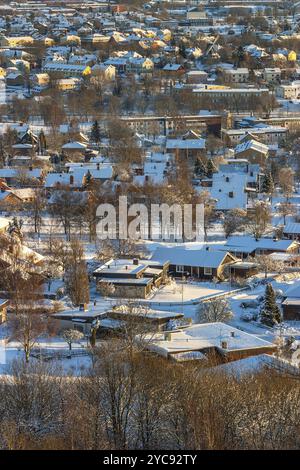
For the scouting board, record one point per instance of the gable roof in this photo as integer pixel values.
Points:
(248, 244)
(186, 256)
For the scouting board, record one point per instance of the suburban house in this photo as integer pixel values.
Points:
(292, 231)
(244, 246)
(148, 318)
(230, 190)
(291, 303)
(114, 320)
(131, 278)
(186, 147)
(253, 151)
(217, 342)
(199, 263)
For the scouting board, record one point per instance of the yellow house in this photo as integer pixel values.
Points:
(71, 39)
(41, 79)
(67, 84)
(87, 71)
(16, 41)
(292, 56)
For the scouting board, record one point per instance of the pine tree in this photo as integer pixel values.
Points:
(211, 168)
(95, 132)
(200, 168)
(270, 313)
(267, 184)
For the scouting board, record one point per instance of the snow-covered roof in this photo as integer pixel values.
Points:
(248, 243)
(208, 335)
(188, 256)
(292, 227)
(63, 179)
(15, 172)
(229, 190)
(74, 146)
(185, 144)
(252, 145)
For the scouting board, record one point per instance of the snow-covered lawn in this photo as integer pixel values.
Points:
(11, 351)
(188, 292)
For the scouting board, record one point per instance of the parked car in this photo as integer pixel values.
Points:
(251, 303)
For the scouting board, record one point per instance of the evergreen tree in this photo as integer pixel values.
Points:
(88, 179)
(211, 168)
(200, 168)
(95, 132)
(270, 313)
(267, 184)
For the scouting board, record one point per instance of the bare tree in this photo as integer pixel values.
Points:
(76, 276)
(216, 310)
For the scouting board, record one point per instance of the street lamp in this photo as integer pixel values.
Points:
(183, 279)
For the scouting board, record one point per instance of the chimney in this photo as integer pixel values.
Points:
(135, 261)
(98, 166)
(232, 333)
(71, 179)
(224, 345)
(207, 248)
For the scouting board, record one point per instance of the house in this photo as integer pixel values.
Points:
(291, 303)
(253, 151)
(292, 231)
(74, 147)
(186, 147)
(9, 199)
(14, 253)
(131, 278)
(245, 245)
(149, 318)
(105, 72)
(3, 310)
(114, 320)
(15, 78)
(68, 84)
(229, 190)
(177, 69)
(242, 166)
(16, 175)
(216, 341)
(200, 263)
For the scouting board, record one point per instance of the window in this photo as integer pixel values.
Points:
(207, 271)
(179, 268)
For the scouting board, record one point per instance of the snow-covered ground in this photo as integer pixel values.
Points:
(74, 366)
